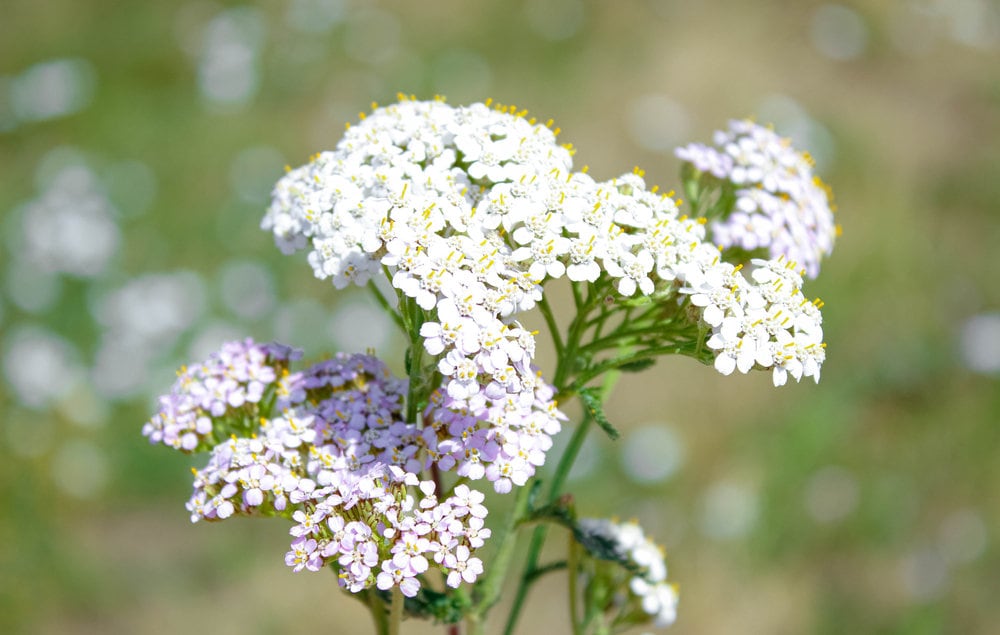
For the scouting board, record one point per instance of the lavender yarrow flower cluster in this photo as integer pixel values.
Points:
(643, 558)
(329, 450)
(232, 381)
(780, 204)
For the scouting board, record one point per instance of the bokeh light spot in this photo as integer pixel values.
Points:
(80, 469)
(729, 510)
(652, 453)
(41, 366)
(831, 494)
(839, 32)
(52, 89)
(980, 343)
(657, 123)
(356, 326)
(554, 20)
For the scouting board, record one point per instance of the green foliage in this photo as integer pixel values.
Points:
(592, 402)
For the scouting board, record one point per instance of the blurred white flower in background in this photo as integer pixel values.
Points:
(839, 32)
(729, 510)
(916, 26)
(210, 338)
(40, 366)
(247, 289)
(70, 228)
(657, 123)
(142, 321)
(831, 494)
(357, 326)
(48, 90)
(652, 453)
(980, 343)
(228, 73)
(923, 574)
(555, 20)
(315, 16)
(302, 323)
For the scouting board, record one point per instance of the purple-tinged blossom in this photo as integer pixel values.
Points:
(780, 204)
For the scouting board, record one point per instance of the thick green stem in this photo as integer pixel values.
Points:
(396, 611)
(416, 393)
(377, 609)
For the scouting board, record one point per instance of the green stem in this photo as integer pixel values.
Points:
(678, 348)
(550, 320)
(577, 299)
(573, 563)
(377, 609)
(614, 339)
(548, 568)
(417, 385)
(396, 611)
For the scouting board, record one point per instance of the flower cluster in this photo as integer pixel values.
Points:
(234, 380)
(327, 448)
(780, 205)
(642, 558)
(468, 211)
(766, 324)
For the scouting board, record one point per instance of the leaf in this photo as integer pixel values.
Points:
(447, 607)
(637, 365)
(598, 544)
(594, 407)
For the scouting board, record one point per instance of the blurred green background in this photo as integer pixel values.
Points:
(138, 145)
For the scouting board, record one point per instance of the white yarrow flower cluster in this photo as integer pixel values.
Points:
(644, 558)
(764, 322)
(468, 211)
(780, 204)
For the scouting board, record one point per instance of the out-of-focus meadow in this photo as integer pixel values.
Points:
(138, 145)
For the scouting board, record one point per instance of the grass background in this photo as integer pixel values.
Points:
(866, 504)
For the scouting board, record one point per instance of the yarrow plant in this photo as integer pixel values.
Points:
(457, 219)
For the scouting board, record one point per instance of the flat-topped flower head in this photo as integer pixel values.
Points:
(780, 205)
(226, 387)
(339, 460)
